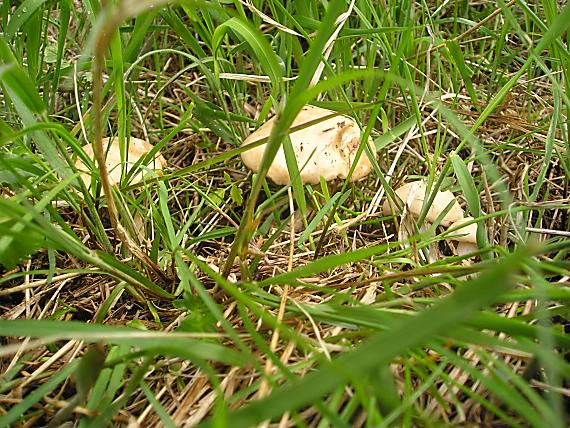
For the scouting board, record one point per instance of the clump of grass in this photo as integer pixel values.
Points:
(210, 296)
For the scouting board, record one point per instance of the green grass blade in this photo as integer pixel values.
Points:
(187, 345)
(259, 45)
(24, 12)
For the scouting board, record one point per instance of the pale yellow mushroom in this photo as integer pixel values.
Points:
(326, 149)
(137, 148)
(466, 237)
(413, 195)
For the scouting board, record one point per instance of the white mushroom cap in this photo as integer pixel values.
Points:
(467, 236)
(464, 248)
(137, 148)
(413, 195)
(467, 233)
(326, 149)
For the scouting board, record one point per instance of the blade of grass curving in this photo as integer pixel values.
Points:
(259, 45)
(174, 21)
(189, 345)
(106, 305)
(17, 83)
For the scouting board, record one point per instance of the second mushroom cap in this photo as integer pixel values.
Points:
(413, 195)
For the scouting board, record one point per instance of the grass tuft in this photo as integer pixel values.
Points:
(206, 295)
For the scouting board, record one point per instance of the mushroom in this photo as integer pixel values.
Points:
(137, 148)
(326, 149)
(466, 236)
(413, 195)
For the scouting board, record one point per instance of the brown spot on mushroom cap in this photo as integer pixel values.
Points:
(324, 149)
(413, 195)
(137, 148)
